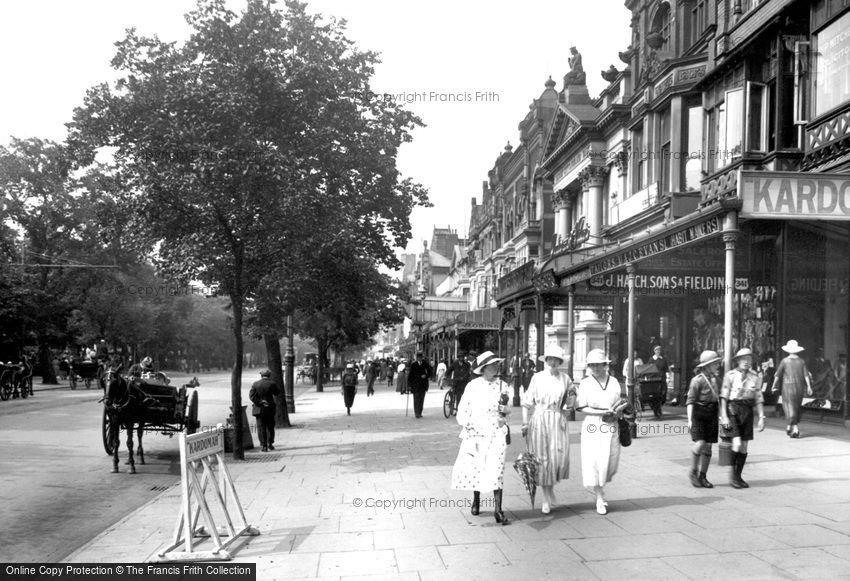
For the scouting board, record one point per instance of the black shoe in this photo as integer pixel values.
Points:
(501, 518)
(265, 449)
(695, 482)
(271, 447)
(476, 503)
(703, 481)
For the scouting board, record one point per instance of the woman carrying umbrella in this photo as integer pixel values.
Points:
(480, 463)
(794, 378)
(547, 431)
(598, 395)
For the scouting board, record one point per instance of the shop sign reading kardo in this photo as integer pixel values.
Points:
(791, 195)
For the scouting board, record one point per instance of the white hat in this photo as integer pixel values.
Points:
(485, 359)
(743, 353)
(792, 347)
(349, 366)
(707, 358)
(553, 350)
(596, 356)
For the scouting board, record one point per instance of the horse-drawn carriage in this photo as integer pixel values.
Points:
(85, 372)
(148, 404)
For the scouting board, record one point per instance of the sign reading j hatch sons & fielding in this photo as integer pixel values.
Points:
(790, 195)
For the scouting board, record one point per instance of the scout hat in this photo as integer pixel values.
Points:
(553, 350)
(792, 347)
(707, 358)
(485, 359)
(743, 353)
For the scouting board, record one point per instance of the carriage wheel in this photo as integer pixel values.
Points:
(448, 404)
(191, 421)
(107, 422)
(5, 385)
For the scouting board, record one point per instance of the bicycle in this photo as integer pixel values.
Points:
(451, 400)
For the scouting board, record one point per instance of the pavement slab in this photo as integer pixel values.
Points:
(368, 496)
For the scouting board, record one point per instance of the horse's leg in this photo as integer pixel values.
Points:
(114, 437)
(141, 452)
(130, 447)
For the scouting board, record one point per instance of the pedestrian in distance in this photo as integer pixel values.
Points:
(390, 372)
(739, 395)
(549, 397)
(480, 463)
(793, 378)
(703, 409)
(460, 373)
(401, 379)
(262, 396)
(371, 371)
(527, 371)
(349, 386)
(598, 396)
(418, 375)
(663, 368)
(442, 368)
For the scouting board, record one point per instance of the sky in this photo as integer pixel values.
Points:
(472, 69)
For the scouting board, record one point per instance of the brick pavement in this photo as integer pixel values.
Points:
(368, 497)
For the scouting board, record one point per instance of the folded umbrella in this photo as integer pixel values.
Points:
(526, 466)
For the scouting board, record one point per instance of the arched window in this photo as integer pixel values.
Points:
(659, 31)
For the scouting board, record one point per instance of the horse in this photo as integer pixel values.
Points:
(125, 406)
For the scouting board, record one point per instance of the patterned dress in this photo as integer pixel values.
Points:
(480, 463)
(600, 445)
(791, 376)
(548, 432)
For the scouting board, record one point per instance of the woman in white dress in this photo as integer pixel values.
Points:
(480, 463)
(598, 395)
(547, 432)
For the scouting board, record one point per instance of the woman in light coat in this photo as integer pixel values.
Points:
(547, 432)
(480, 463)
(598, 395)
(792, 377)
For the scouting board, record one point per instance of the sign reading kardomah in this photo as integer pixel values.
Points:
(197, 452)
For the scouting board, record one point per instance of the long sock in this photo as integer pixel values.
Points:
(742, 459)
(733, 469)
(695, 462)
(704, 461)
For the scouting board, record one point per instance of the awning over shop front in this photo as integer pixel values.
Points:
(480, 320)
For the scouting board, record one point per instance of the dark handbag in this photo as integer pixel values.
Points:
(624, 432)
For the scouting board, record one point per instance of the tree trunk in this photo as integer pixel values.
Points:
(236, 376)
(320, 364)
(45, 362)
(281, 418)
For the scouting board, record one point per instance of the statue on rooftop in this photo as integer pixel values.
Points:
(576, 75)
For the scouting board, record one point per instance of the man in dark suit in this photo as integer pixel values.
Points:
(417, 381)
(262, 395)
(460, 373)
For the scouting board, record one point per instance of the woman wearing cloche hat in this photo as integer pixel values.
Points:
(480, 463)
(547, 432)
(740, 393)
(702, 405)
(598, 396)
(794, 378)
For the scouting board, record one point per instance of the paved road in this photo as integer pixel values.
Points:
(56, 489)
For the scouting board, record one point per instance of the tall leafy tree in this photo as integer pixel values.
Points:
(258, 131)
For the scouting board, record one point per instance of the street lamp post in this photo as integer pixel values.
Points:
(289, 361)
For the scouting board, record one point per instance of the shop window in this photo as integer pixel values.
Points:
(832, 65)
